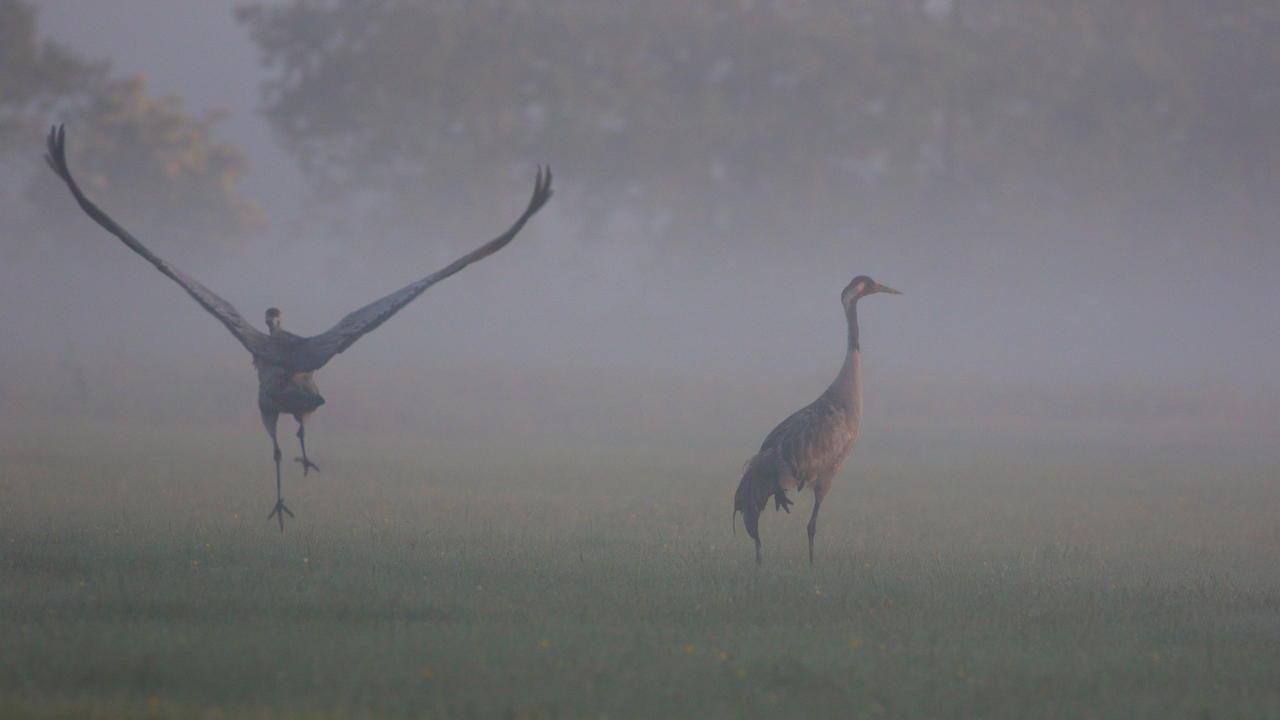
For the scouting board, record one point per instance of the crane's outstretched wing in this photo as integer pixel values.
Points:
(253, 339)
(321, 348)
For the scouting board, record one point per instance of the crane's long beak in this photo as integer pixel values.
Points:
(887, 289)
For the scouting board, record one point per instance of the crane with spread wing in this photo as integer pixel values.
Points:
(286, 362)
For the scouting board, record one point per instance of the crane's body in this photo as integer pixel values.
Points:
(284, 389)
(810, 446)
(286, 362)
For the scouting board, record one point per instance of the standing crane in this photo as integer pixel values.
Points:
(810, 446)
(285, 362)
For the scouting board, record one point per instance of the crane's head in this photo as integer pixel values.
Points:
(863, 286)
(273, 319)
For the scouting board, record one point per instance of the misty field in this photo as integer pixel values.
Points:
(478, 577)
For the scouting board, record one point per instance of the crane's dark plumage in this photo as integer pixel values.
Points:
(284, 361)
(810, 446)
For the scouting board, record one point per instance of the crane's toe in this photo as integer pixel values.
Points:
(781, 501)
(306, 465)
(279, 511)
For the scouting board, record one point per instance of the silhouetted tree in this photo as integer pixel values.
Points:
(709, 117)
(140, 155)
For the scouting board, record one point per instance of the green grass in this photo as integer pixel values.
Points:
(462, 578)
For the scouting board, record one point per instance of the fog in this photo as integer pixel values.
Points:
(1063, 498)
(1156, 325)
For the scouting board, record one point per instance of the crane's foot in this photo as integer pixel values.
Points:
(279, 511)
(306, 465)
(781, 501)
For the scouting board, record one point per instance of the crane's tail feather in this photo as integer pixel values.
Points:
(759, 483)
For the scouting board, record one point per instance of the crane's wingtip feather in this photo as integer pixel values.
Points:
(56, 155)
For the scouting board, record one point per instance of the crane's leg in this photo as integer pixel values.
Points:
(818, 493)
(279, 511)
(302, 440)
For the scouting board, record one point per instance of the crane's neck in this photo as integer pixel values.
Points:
(847, 387)
(851, 315)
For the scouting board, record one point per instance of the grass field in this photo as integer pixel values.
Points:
(139, 578)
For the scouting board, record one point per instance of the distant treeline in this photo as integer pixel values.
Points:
(728, 121)
(709, 117)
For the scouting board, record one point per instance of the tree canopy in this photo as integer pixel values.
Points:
(157, 168)
(738, 113)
